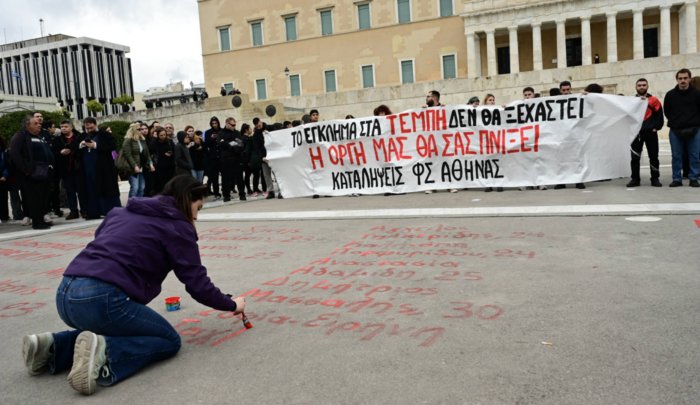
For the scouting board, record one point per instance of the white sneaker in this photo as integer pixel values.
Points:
(542, 187)
(453, 190)
(26, 221)
(89, 361)
(36, 351)
(428, 191)
(47, 218)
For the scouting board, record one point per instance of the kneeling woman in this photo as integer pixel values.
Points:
(106, 288)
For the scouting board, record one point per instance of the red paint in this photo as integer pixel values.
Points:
(697, 222)
(13, 287)
(19, 309)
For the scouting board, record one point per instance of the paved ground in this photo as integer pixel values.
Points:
(536, 297)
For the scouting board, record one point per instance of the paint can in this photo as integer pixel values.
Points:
(172, 303)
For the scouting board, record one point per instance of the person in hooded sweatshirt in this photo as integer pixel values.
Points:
(183, 160)
(106, 289)
(212, 156)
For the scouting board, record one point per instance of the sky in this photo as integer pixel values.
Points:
(163, 34)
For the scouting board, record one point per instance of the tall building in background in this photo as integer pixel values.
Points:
(73, 70)
(277, 48)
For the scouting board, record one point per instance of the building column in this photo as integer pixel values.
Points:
(586, 40)
(513, 46)
(491, 52)
(665, 34)
(638, 34)
(537, 46)
(612, 36)
(691, 35)
(561, 44)
(471, 55)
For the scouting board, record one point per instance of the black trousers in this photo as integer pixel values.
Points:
(651, 140)
(35, 193)
(231, 176)
(212, 173)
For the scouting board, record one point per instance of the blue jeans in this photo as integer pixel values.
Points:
(679, 145)
(198, 174)
(137, 183)
(135, 334)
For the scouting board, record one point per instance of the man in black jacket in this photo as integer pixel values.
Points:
(682, 109)
(32, 158)
(65, 149)
(211, 159)
(653, 121)
(230, 149)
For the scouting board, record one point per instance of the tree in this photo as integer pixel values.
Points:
(94, 107)
(124, 100)
(11, 123)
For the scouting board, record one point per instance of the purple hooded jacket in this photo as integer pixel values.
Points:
(136, 247)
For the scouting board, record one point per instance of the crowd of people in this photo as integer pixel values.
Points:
(45, 168)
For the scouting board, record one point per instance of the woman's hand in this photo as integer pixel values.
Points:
(240, 305)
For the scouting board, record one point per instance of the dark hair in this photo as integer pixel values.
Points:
(185, 189)
(314, 111)
(528, 88)
(641, 79)
(349, 117)
(564, 83)
(90, 120)
(593, 88)
(244, 128)
(684, 70)
(296, 123)
(435, 94)
(286, 124)
(46, 124)
(473, 99)
(256, 120)
(382, 109)
(554, 91)
(66, 122)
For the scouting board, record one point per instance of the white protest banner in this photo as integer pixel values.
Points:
(543, 141)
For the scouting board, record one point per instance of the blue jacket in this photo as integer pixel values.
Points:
(136, 247)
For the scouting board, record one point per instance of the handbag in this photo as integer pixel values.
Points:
(122, 164)
(41, 171)
(687, 133)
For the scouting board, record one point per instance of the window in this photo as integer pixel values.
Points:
(404, 10)
(363, 17)
(651, 42)
(407, 71)
(445, 8)
(449, 66)
(257, 33)
(260, 89)
(367, 76)
(329, 76)
(503, 60)
(574, 54)
(326, 22)
(224, 39)
(290, 25)
(295, 85)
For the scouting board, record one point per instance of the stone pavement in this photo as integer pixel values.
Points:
(536, 297)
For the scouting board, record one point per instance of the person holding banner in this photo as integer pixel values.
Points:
(565, 89)
(682, 109)
(653, 121)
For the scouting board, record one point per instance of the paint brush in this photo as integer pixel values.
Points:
(246, 322)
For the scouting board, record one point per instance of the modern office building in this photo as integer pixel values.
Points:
(277, 49)
(72, 70)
